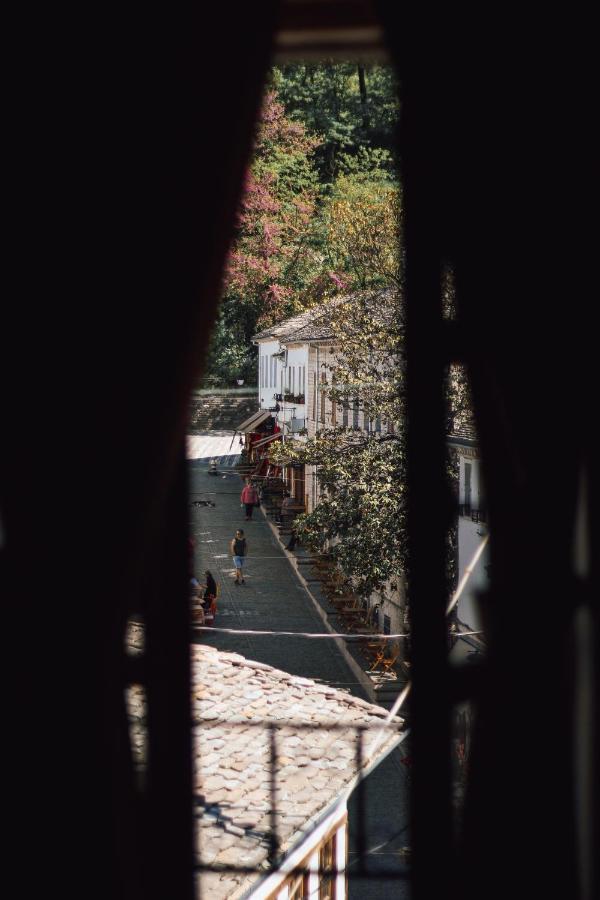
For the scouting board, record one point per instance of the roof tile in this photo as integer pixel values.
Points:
(231, 765)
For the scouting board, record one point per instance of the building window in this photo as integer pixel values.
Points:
(323, 397)
(355, 413)
(333, 407)
(293, 379)
(468, 471)
(327, 877)
(298, 889)
(378, 425)
(387, 625)
(345, 414)
(314, 409)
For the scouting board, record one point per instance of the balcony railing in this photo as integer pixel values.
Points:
(466, 510)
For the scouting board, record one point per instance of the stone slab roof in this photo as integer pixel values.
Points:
(318, 323)
(464, 428)
(234, 701)
(282, 329)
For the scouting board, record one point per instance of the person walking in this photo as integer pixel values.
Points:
(249, 498)
(239, 550)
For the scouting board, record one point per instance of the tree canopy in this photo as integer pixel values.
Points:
(319, 209)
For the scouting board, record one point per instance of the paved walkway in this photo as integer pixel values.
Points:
(273, 599)
(220, 445)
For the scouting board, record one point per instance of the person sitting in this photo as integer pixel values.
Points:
(210, 590)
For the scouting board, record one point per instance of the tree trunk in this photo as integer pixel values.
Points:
(366, 121)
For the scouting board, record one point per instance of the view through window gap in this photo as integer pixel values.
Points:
(314, 286)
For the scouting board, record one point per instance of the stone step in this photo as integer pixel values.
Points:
(219, 412)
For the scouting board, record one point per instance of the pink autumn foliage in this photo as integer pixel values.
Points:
(270, 223)
(339, 281)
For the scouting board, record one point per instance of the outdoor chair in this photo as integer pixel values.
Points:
(348, 607)
(197, 613)
(386, 658)
(362, 624)
(343, 600)
(370, 650)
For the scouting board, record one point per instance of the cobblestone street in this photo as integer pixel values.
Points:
(273, 599)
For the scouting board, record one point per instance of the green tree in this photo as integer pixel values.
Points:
(350, 106)
(361, 513)
(362, 218)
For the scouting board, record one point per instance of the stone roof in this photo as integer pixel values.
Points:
(232, 759)
(282, 329)
(318, 322)
(464, 428)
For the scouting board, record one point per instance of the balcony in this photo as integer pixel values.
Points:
(466, 510)
(293, 398)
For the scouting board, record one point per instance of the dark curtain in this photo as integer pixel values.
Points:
(131, 134)
(496, 150)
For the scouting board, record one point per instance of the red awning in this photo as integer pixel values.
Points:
(254, 421)
(266, 440)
